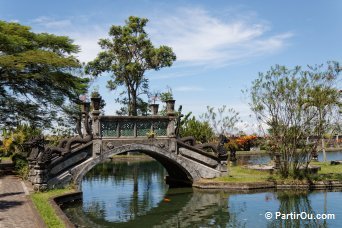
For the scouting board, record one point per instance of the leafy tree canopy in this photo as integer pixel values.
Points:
(127, 55)
(200, 130)
(37, 75)
(295, 104)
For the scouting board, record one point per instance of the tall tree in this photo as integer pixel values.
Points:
(37, 75)
(127, 55)
(295, 104)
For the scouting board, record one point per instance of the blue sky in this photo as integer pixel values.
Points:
(220, 45)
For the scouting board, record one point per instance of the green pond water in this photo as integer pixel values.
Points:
(133, 194)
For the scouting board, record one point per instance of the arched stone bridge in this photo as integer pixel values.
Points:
(101, 137)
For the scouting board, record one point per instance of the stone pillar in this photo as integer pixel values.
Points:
(170, 107)
(173, 145)
(85, 115)
(97, 144)
(222, 166)
(32, 172)
(154, 109)
(40, 179)
(95, 117)
(97, 147)
(171, 127)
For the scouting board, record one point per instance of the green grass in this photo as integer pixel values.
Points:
(328, 172)
(327, 168)
(255, 152)
(41, 201)
(239, 174)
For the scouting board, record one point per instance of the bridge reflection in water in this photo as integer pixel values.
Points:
(133, 194)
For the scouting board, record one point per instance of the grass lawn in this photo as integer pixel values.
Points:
(240, 174)
(41, 201)
(328, 172)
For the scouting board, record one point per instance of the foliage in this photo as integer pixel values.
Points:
(66, 121)
(223, 121)
(241, 143)
(295, 104)
(200, 130)
(95, 93)
(37, 75)
(164, 97)
(41, 201)
(142, 107)
(14, 139)
(128, 54)
(151, 134)
(232, 145)
(13, 145)
(168, 95)
(245, 142)
(20, 165)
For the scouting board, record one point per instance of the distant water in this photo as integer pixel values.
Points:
(265, 158)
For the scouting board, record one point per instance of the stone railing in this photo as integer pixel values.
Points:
(136, 126)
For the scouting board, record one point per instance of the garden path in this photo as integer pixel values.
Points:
(16, 208)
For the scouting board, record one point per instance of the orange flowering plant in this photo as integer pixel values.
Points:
(245, 142)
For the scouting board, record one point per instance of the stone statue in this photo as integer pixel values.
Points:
(221, 150)
(37, 146)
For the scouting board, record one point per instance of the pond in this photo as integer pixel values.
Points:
(133, 194)
(265, 158)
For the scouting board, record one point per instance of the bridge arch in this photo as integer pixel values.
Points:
(180, 171)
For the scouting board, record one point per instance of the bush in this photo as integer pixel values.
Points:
(20, 165)
(200, 130)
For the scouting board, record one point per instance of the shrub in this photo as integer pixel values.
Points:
(20, 165)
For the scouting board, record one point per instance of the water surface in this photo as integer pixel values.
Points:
(133, 194)
(265, 158)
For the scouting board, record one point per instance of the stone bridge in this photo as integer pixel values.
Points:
(101, 137)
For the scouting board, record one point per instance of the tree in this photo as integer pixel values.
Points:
(295, 104)
(127, 55)
(223, 121)
(37, 75)
(142, 107)
(201, 131)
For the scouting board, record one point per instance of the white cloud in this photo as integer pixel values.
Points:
(196, 36)
(88, 41)
(85, 35)
(51, 23)
(200, 38)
